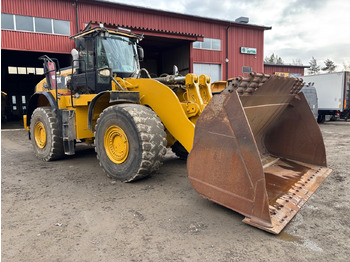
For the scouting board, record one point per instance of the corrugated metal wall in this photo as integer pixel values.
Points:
(271, 69)
(26, 41)
(150, 21)
(245, 37)
(57, 9)
(146, 20)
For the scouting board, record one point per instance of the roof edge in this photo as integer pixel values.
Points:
(228, 22)
(289, 65)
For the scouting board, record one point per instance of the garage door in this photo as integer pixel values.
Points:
(213, 70)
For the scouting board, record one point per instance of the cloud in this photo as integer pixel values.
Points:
(300, 28)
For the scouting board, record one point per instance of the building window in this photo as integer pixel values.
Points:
(34, 24)
(24, 23)
(39, 71)
(61, 27)
(31, 70)
(13, 70)
(43, 25)
(246, 69)
(209, 44)
(22, 70)
(7, 22)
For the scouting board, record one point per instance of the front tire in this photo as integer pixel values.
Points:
(44, 129)
(130, 142)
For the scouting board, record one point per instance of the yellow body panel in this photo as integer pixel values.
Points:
(178, 111)
(218, 86)
(81, 107)
(167, 106)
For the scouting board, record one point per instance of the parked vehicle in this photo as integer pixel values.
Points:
(310, 93)
(333, 91)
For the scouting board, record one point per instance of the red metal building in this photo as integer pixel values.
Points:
(284, 70)
(30, 28)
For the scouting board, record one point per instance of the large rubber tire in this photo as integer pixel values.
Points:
(44, 130)
(179, 150)
(321, 119)
(130, 142)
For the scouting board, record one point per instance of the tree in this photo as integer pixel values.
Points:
(329, 66)
(346, 67)
(297, 62)
(274, 59)
(314, 68)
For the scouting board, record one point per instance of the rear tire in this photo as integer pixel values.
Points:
(44, 129)
(321, 119)
(130, 142)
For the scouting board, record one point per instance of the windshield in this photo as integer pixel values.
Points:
(118, 53)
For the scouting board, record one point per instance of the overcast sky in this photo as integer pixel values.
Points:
(301, 29)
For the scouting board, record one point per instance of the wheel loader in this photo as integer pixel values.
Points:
(255, 147)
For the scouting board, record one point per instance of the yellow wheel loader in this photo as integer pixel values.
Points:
(255, 147)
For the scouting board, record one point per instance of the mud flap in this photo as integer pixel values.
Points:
(258, 154)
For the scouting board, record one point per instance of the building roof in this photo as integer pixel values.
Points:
(228, 22)
(285, 65)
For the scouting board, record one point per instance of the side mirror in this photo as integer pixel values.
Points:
(175, 70)
(104, 72)
(140, 53)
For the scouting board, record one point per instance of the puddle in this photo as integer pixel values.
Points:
(299, 241)
(290, 238)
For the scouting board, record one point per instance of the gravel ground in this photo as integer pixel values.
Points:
(68, 210)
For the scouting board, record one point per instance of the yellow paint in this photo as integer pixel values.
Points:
(164, 102)
(81, 108)
(178, 111)
(25, 122)
(116, 144)
(282, 74)
(193, 92)
(40, 87)
(204, 89)
(103, 29)
(218, 86)
(81, 120)
(40, 134)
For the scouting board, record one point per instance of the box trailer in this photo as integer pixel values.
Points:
(333, 92)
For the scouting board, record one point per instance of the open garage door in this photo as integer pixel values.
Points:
(161, 54)
(20, 72)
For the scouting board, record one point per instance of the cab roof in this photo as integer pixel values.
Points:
(95, 30)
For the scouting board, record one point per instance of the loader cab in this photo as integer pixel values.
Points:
(100, 48)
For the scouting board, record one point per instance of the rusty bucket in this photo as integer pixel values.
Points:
(258, 150)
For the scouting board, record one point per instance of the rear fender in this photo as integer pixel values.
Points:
(38, 100)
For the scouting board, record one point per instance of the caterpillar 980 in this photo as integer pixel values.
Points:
(254, 148)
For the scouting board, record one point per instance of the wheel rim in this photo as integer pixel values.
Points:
(40, 135)
(116, 144)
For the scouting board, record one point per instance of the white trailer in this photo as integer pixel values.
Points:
(333, 92)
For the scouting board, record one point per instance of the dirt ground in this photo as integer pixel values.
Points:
(68, 210)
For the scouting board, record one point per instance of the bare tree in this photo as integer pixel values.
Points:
(297, 62)
(346, 66)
